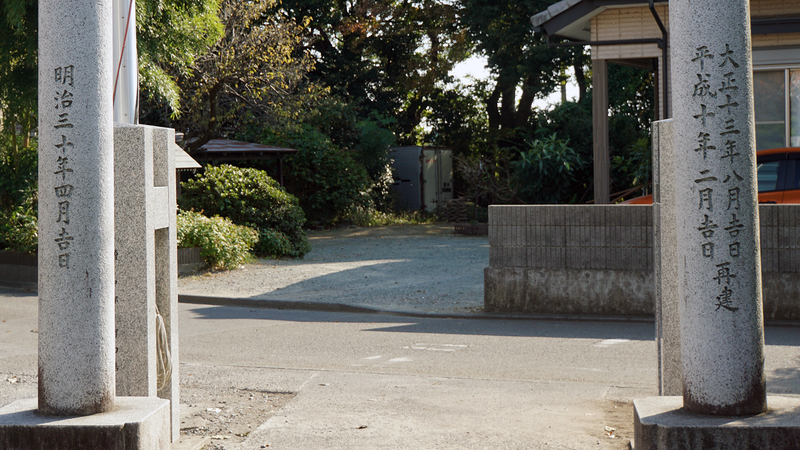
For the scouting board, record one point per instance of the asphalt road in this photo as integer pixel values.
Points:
(373, 381)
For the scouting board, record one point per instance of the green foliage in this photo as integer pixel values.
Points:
(477, 213)
(385, 57)
(367, 140)
(631, 93)
(19, 229)
(369, 217)
(223, 244)
(635, 166)
(18, 175)
(252, 74)
(170, 35)
(327, 180)
(18, 69)
(249, 197)
(521, 60)
(373, 147)
(569, 119)
(372, 151)
(546, 172)
(18, 197)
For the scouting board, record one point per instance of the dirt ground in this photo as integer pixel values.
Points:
(227, 414)
(419, 268)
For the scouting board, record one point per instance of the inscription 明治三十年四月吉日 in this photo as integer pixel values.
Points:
(64, 80)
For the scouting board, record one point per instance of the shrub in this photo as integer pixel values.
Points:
(370, 217)
(635, 166)
(547, 171)
(250, 197)
(327, 180)
(19, 229)
(223, 244)
(18, 197)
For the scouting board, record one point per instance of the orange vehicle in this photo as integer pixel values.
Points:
(778, 177)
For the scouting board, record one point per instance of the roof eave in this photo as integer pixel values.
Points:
(572, 18)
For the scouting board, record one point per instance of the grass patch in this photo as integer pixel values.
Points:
(367, 217)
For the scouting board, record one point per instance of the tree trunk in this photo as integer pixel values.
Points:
(491, 108)
(26, 130)
(580, 77)
(14, 146)
(525, 104)
(508, 108)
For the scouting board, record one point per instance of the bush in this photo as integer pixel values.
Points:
(249, 197)
(18, 197)
(370, 217)
(546, 173)
(327, 180)
(636, 166)
(19, 229)
(477, 213)
(223, 244)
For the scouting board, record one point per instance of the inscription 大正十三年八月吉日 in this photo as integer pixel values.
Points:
(716, 99)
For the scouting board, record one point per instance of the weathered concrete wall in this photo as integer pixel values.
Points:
(568, 291)
(598, 260)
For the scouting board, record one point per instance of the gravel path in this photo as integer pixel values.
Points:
(417, 268)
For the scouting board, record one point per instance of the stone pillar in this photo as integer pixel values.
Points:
(665, 264)
(146, 260)
(135, 261)
(76, 208)
(166, 258)
(722, 340)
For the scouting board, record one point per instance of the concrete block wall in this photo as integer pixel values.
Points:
(598, 260)
(570, 259)
(780, 261)
(571, 237)
(780, 238)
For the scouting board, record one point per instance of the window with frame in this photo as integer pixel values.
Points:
(777, 107)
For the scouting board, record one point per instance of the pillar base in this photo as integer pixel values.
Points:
(661, 423)
(136, 423)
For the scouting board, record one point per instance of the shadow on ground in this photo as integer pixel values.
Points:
(400, 324)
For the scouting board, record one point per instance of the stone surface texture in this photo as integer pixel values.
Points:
(145, 257)
(722, 337)
(76, 208)
(166, 257)
(665, 263)
(135, 423)
(660, 423)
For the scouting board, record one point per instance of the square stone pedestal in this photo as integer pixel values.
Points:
(660, 423)
(136, 423)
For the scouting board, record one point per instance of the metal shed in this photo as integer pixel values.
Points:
(423, 176)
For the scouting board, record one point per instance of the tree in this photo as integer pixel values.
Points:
(18, 72)
(386, 57)
(170, 34)
(248, 75)
(520, 59)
